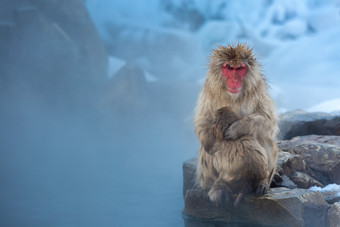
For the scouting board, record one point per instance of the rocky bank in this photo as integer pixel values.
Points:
(304, 161)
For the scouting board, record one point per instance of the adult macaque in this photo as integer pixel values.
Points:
(234, 81)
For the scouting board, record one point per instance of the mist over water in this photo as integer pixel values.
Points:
(79, 147)
(84, 167)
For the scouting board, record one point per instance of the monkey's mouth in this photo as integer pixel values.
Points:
(234, 90)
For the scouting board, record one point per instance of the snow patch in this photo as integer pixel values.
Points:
(295, 41)
(328, 188)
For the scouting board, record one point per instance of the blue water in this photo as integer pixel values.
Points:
(65, 168)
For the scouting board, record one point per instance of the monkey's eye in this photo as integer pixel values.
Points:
(228, 66)
(240, 68)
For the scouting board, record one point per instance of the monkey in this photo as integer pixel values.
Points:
(247, 159)
(234, 80)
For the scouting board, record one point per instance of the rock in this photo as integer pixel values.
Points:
(288, 162)
(294, 166)
(331, 192)
(73, 17)
(284, 181)
(281, 206)
(300, 123)
(161, 52)
(333, 215)
(331, 196)
(303, 180)
(189, 174)
(127, 91)
(57, 47)
(320, 154)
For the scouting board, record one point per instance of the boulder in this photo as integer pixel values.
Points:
(56, 46)
(189, 174)
(292, 167)
(300, 123)
(303, 180)
(316, 156)
(331, 197)
(127, 91)
(333, 216)
(280, 207)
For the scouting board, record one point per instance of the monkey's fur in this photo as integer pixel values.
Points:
(248, 144)
(251, 169)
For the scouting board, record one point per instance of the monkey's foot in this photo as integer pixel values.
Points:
(218, 195)
(261, 189)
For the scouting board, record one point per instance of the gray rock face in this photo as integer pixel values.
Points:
(316, 156)
(189, 174)
(56, 46)
(333, 217)
(127, 91)
(301, 123)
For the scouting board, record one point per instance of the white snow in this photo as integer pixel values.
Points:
(328, 188)
(296, 41)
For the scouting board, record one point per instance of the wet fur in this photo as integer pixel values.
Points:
(246, 160)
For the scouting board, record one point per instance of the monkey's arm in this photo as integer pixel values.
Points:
(258, 125)
(204, 133)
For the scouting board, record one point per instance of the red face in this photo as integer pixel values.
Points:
(234, 75)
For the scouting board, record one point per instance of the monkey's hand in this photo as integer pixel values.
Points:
(237, 129)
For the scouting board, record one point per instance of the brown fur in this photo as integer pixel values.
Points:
(249, 143)
(252, 170)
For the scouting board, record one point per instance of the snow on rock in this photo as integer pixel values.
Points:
(323, 18)
(295, 41)
(293, 29)
(328, 188)
(141, 13)
(307, 69)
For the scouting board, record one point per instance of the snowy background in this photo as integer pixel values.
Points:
(297, 42)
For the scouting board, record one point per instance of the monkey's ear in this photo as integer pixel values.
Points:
(213, 129)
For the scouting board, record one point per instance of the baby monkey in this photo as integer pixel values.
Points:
(224, 117)
(240, 164)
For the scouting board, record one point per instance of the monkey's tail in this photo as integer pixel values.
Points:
(238, 199)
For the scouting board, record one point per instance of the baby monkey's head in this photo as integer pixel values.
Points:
(224, 117)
